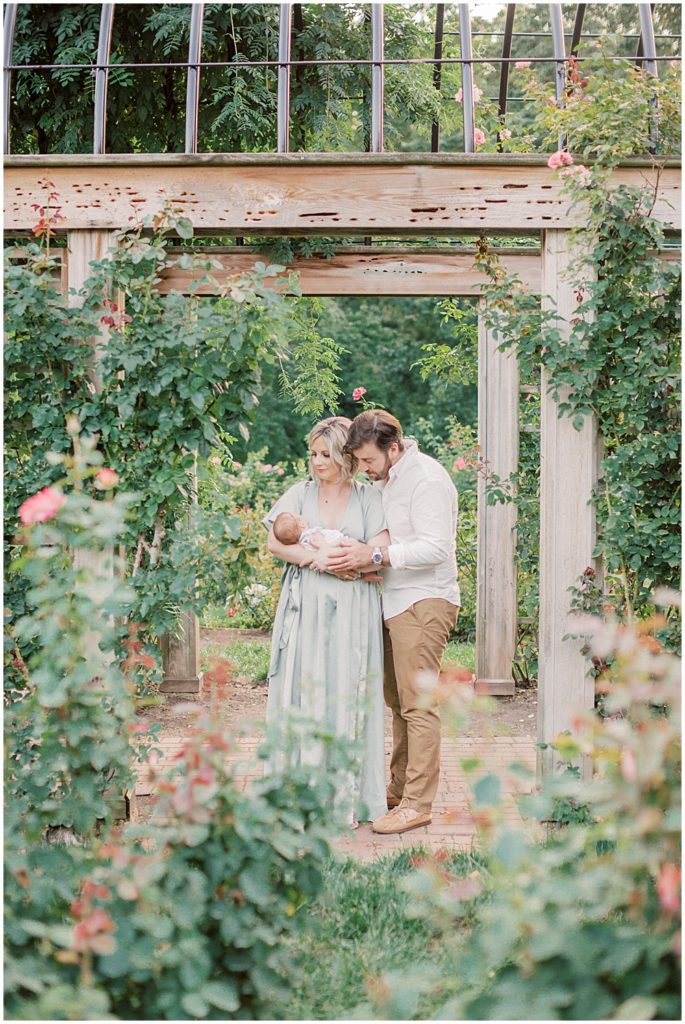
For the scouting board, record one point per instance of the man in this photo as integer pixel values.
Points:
(420, 602)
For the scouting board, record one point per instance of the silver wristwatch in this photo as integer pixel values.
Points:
(377, 556)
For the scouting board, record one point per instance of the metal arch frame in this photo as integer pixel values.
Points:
(193, 85)
(102, 79)
(504, 67)
(437, 69)
(283, 102)
(647, 42)
(558, 42)
(377, 77)
(466, 41)
(646, 54)
(7, 47)
(577, 29)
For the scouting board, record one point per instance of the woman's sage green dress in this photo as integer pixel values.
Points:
(327, 648)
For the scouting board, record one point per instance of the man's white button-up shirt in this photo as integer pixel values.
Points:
(421, 506)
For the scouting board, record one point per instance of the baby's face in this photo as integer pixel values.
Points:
(302, 523)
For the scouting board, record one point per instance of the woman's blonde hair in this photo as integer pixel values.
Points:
(334, 431)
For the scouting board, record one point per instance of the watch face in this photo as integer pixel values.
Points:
(377, 557)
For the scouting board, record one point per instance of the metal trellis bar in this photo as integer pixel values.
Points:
(102, 79)
(559, 45)
(467, 79)
(504, 69)
(284, 65)
(7, 46)
(377, 78)
(577, 29)
(193, 87)
(437, 70)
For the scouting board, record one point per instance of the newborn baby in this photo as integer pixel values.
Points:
(291, 529)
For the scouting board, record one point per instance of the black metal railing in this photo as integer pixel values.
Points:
(646, 56)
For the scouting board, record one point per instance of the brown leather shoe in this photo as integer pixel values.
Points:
(402, 819)
(393, 801)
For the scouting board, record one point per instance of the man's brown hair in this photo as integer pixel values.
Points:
(377, 426)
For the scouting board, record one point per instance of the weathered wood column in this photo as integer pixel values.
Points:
(181, 656)
(498, 437)
(568, 472)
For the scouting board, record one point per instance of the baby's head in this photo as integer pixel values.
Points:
(288, 527)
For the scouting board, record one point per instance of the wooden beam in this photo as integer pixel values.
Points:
(300, 194)
(370, 272)
(498, 437)
(568, 472)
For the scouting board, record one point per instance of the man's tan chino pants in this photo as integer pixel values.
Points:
(414, 642)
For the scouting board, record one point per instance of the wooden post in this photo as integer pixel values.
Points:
(568, 472)
(498, 436)
(181, 657)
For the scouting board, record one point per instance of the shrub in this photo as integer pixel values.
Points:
(586, 926)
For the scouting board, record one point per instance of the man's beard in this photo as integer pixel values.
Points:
(383, 475)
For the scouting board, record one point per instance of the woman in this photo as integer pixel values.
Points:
(327, 649)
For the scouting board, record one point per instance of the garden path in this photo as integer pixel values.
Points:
(453, 826)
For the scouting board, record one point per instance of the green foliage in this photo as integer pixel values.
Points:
(586, 926)
(242, 576)
(71, 751)
(187, 918)
(361, 929)
(611, 109)
(178, 377)
(249, 659)
(69, 736)
(312, 383)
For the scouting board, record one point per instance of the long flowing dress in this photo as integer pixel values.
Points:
(327, 647)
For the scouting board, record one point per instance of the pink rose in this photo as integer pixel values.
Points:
(459, 94)
(559, 159)
(520, 64)
(668, 887)
(107, 478)
(215, 460)
(460, 464)
(358, 393)
(628, 766)
(505, 133)
(41, 506)
(280, 471)
(478, 136)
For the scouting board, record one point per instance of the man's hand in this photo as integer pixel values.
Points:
(350, 554)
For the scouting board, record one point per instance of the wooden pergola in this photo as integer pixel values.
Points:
(391, 196)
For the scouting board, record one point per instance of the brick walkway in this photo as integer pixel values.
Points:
(452, 827)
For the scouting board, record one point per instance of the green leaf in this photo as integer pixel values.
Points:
(184, 227)
(223, 994)
(487, 790)
(194, 1005)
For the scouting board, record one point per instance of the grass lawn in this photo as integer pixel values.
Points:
(358, 930)
(251, 658)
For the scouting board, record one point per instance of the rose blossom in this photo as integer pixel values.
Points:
(460, 464)
(107, 478)
(358, 393)
(520, 64)
(559, 159)
(505, 133)
(478, 136)
(41, 506)
(668, 887)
